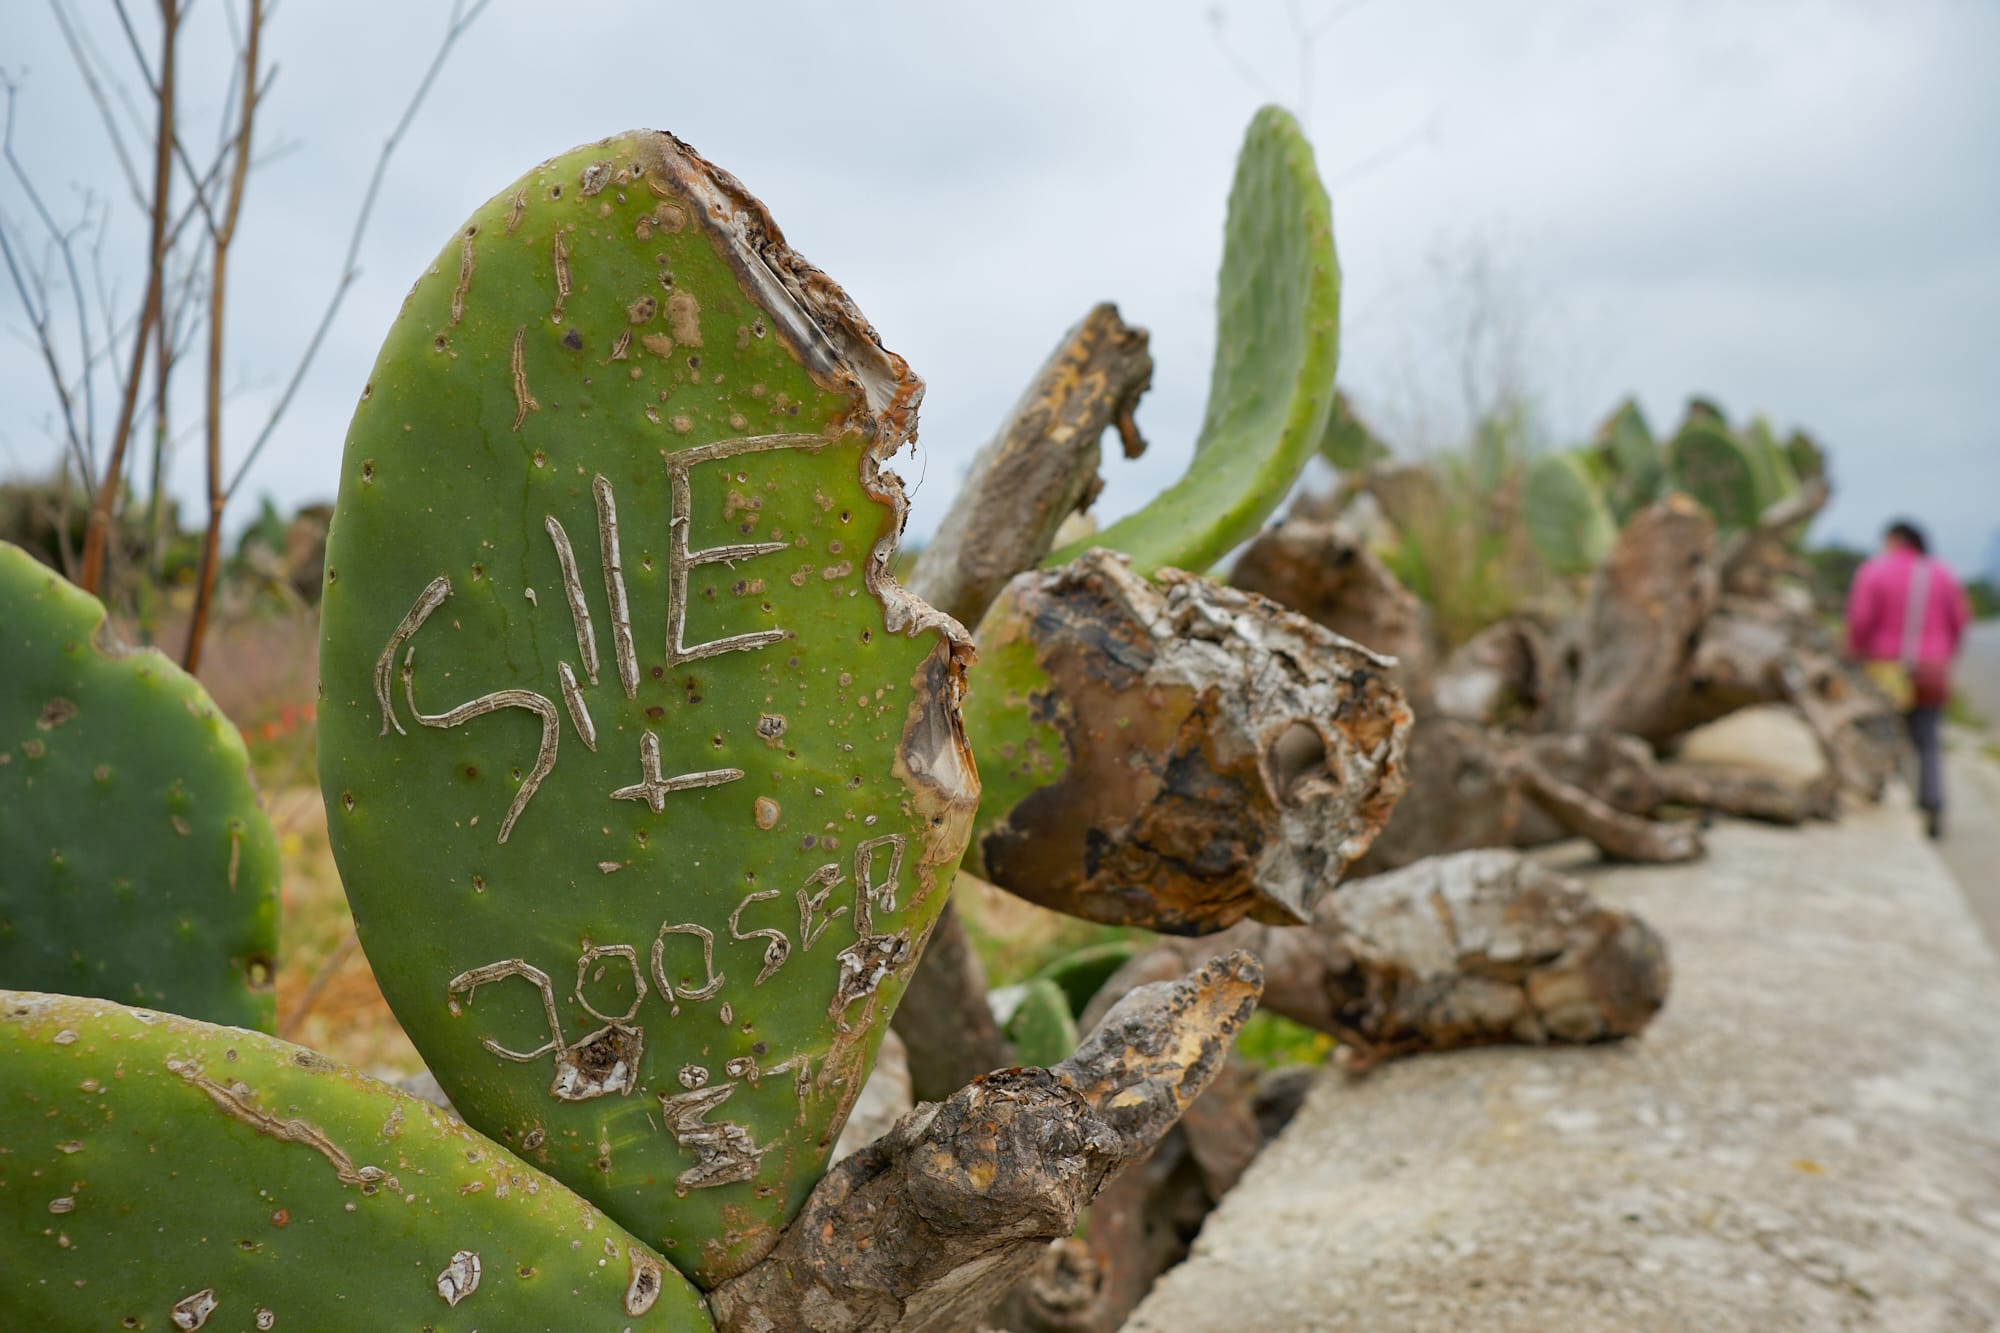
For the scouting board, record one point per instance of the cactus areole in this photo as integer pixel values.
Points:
(645, 779)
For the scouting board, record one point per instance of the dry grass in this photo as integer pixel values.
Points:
(327, 997)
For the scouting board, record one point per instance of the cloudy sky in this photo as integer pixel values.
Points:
(1790, 206)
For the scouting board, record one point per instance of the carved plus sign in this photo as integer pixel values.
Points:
(653, 785)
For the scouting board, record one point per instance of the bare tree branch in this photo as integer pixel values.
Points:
(223, 234)
(462, 18)
(39, 316)
(86, 69)
(97, 535)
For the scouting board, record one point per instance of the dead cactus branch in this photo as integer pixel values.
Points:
(1039, 468)
(1324, 571)
(926, 1228)
(1464, 950)
(1619, 836)
(1222, 757)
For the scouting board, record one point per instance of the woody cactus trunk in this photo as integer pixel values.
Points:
(645, 779)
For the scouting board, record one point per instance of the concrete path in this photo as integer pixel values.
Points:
(1807, 1138)
(1971, 843)
(1977, 672)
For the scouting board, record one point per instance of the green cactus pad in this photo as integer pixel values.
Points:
(1631, 460)
(1568, 520)
(1041, 1028)
(1276, 348)
(1083, 972)
(1704, 412)
(1808, 460)
(645, 779)
(1347, 442)
(1776, 478)
(161, 1173)
(134, 861)
(1714, 466)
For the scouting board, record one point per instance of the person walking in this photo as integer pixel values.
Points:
(1906, 616)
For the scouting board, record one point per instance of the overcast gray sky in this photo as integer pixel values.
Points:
(1791, 207)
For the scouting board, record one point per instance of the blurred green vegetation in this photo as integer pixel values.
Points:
(1460, 542)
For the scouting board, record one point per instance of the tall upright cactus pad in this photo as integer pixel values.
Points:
(1631, 460)
(1776, 478)
(1808, 460)
(161, 1173)
(1568, 519)
(134, 861)
(1704, 412)
(1277, 345)
(645, 779)
(1347, 442)
(1715, 467)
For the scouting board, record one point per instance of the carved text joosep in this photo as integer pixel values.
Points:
(606, 1061)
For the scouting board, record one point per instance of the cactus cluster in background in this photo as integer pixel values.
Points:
(1568, 517)
(1575, 501)
(135, 863)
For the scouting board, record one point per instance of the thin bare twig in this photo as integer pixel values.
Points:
(86, 68)
(38, 313)
(322, 975)
(223, 233)
(462, 18)
(98, 533)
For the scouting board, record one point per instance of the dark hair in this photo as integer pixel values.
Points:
(1910, 535)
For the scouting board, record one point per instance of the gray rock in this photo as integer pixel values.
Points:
(1771, 740)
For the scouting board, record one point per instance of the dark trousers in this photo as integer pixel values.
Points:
(1923, 725)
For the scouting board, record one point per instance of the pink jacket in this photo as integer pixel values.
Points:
(1878, 604)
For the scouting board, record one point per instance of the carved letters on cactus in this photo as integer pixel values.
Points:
(606, 1061)
(653, 786)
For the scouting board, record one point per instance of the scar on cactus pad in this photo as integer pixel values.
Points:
(134, 861)
(645, 779)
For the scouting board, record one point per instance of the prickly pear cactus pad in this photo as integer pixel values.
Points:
(1277, 344)
(134, 861)
(1714, 466)
(161, 1173)
(645, 779)
(1568, 521)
